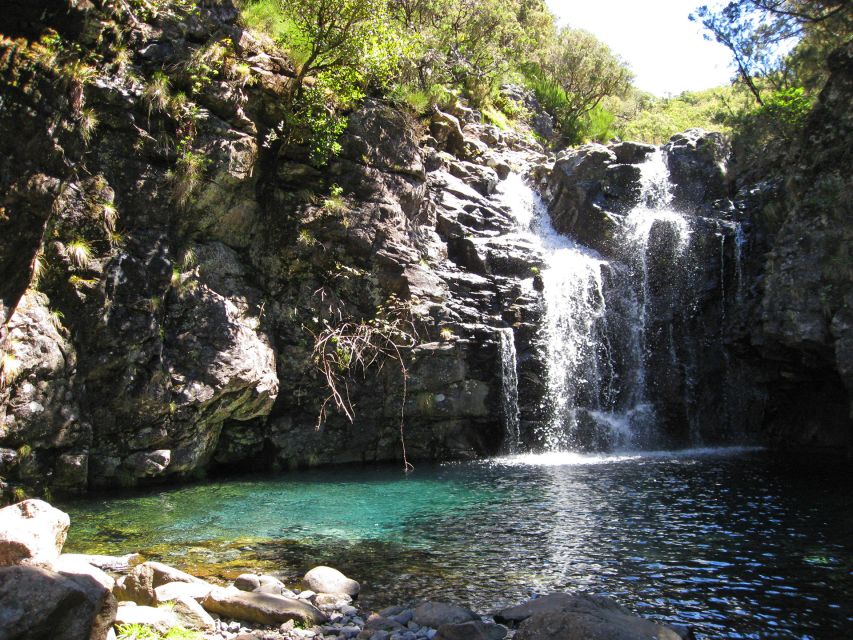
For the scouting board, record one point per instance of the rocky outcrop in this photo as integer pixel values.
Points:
(588, 188)
(803, 326)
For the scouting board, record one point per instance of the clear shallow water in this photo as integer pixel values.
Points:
(732, 542)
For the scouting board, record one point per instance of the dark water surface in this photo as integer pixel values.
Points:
(732, 542)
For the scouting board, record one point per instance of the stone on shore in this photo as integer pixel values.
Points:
(563, 616)
(139, 585)
(32, 533)
(262, 584)
(107, 563)
(73, 565)
(328, 580)
(37, 603)
(174, 590)
(192, 615)
(264, 608)
(436, 614)
(159, 619)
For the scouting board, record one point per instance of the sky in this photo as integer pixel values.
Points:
(665, 51)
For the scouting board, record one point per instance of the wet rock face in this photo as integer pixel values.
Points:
(173, 328)
(587, 189)
(804, 315)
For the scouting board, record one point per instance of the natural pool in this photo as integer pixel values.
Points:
(730, 541)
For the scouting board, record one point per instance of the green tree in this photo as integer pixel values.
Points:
(574, 75)
(343, 40)
(779, 44)
(470, 43)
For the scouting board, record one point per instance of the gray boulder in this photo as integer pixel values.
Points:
(436, 614)
(328, 580)
(581, 617)
(192, 615)
(263, 608)
(70, 565)
(174, 590)
(631, 152)
(36, 604)
(32, 533)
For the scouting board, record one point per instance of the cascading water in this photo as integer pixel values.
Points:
(509, 395)
(580, 371)
(604, 320)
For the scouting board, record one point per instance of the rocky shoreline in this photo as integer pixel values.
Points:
(45, 593)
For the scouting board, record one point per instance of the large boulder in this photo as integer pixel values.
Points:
(37, 604)
(263, 608)
(564, 616)
(32, 533)
(585, 188)
(71, 565)
(328, 580)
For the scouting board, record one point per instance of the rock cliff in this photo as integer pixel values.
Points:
(169, 260)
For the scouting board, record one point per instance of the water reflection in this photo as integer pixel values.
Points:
(729, 542)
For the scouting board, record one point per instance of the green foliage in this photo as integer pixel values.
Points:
(598, 125)
(495, 117)
(647, 118)
(188, 174)
(157, 92)
(776, 123)
(336, 203)
(88, 122)
(779, 44)
(572, 77)
(10, 366)
(266, 16)
(79, 253)
(787, 108)
(206, 63)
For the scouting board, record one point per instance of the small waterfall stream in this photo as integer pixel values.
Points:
(605, 319)
(509, 390)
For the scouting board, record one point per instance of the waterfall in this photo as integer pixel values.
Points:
(509, 389)
(608, 320)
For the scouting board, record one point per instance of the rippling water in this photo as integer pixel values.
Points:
(731, 542)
